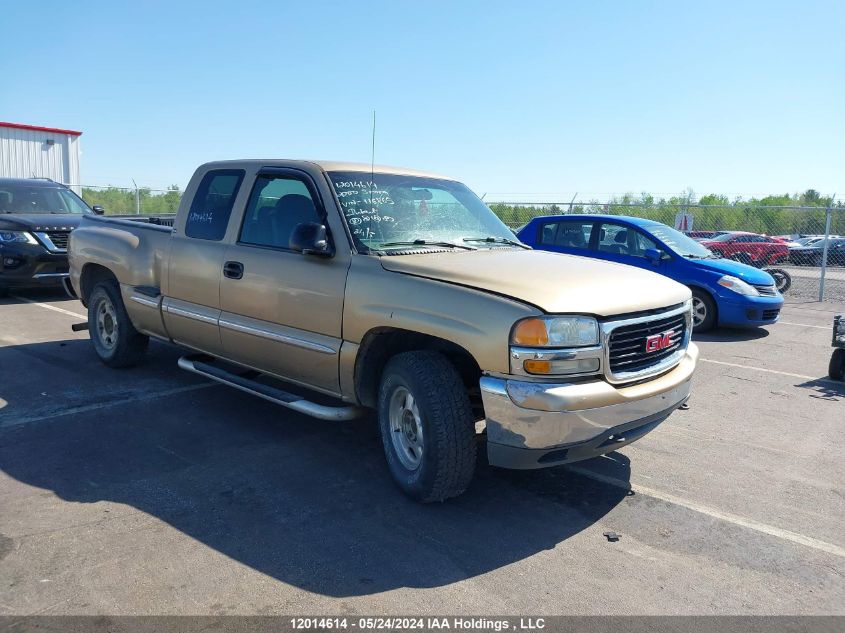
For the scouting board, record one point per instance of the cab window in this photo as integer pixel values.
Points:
(212, 204)
(619, 239)
(276, 206)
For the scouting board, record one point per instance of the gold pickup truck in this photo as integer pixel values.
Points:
(335, 289)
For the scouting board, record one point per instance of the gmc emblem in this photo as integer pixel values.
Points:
(657, 342)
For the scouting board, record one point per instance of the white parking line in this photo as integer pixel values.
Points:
(4, 424)
(745, 522)
(818, 327)
(49, 307)
(770, 371)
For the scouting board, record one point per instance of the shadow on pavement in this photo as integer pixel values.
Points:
(37, 294)
(825, 388)
(728, 335)
(309, 503)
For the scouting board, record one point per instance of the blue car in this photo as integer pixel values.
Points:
(724, 292)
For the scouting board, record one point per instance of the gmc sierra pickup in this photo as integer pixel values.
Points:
(398, 291)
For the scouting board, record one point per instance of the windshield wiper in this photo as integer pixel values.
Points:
(429, 243)
(492, 239)
(694, 256)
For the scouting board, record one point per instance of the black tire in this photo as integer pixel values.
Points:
(783, 280)
(836, 370)
(447, 450)
(703, 304)
(115, 339)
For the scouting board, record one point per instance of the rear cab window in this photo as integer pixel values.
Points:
(212, 205)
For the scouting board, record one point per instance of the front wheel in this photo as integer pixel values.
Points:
(837, 364)
(115, 339)
(427, 426)
(703, 311)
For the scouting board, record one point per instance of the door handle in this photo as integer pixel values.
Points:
(233, 270)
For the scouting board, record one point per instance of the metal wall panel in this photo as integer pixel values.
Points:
(36, 153)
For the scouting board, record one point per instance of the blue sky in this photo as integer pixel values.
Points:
(514, 98)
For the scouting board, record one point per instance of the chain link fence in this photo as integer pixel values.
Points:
(131, 200)
(808, 242)
(810, 248)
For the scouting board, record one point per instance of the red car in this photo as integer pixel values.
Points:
(749, 248)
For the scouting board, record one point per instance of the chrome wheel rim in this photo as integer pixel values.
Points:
(406, 431)
(699, 312)
(107, 323)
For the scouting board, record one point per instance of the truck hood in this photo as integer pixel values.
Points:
(40, 221)
(553, 282)
(747, 273)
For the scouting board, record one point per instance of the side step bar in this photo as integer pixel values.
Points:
(204, 366)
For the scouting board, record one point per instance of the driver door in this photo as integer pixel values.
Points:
(282, 310)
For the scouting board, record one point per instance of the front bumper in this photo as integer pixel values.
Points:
(742, 311)
(29, 266)
(535, 425)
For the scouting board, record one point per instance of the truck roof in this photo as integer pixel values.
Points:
(326, 165)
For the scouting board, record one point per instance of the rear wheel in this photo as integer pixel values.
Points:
(703, 311)
(427, 426)
(115, 339)
(837, 364)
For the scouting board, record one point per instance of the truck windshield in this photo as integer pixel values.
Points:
(19, 198)
(678, 242)
(390, 211)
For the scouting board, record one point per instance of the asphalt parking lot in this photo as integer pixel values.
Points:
(150, 491)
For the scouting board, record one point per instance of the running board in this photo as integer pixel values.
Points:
(199, 364)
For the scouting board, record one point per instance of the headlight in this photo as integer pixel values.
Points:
(569, 331)
(738, 285)
(17, 236)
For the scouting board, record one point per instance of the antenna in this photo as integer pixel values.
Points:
(373, 152)
(372, 176)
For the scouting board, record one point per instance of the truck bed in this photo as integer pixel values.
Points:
(133, 248)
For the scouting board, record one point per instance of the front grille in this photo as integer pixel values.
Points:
(771, 315)
(766, 290)
(627, 344)
(59, 239)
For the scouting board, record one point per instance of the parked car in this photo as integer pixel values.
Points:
(724, 292)
(395, 291)
(36, 216)
(704, 235)
(813, 253)
(749, 248)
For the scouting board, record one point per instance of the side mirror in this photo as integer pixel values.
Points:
(311, 238)
(98, 209)
(653, 255)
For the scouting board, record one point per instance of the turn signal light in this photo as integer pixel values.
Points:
(531, 333)
(538, 366)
